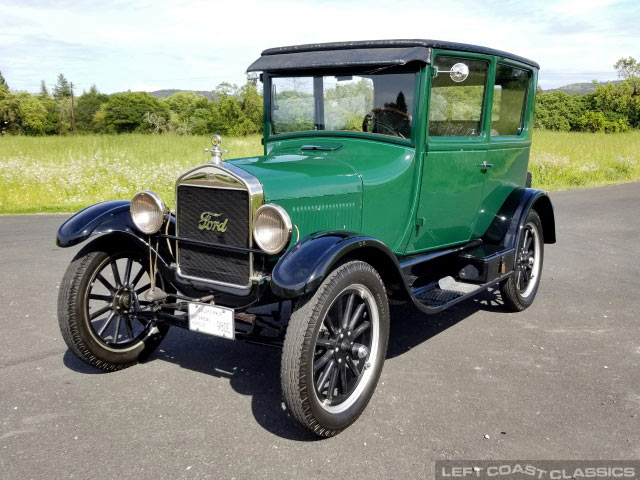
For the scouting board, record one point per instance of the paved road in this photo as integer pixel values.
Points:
(560, 380)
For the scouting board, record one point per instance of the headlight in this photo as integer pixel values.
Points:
(148, 211)
(272, 228)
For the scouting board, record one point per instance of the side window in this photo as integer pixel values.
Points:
(509, 100)
(456, 106)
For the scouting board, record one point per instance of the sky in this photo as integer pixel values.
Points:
(191, 45)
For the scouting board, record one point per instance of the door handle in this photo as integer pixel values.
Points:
(484, 165)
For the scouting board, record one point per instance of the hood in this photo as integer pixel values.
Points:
(318, 190)
(292, 173)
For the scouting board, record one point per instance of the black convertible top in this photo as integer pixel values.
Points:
(366, 52)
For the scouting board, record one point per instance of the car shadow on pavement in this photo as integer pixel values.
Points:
(255, 370)
(410, 327)
(252, 370)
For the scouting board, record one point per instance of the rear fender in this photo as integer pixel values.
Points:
(505, 227)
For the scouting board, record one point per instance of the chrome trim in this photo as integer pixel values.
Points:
(159, 204)
(286, 219)
(229, 176)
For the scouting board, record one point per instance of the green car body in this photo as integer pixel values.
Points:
(392, 170)
(414, 195)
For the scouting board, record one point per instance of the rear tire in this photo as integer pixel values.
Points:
(334, 349)
(520, 289)
(98, 339)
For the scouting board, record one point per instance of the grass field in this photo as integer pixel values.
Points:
(64, 174)
(562, 161)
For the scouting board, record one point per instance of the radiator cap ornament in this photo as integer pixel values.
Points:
(216, 152)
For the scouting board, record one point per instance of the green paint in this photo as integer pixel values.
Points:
(365, 186)
(414, 194)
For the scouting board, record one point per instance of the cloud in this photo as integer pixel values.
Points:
(198, 44)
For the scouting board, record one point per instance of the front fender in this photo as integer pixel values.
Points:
(110, 218)
(104, 217)
(305, 265)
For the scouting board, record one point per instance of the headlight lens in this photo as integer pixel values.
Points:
(272, 228)
(148, 211)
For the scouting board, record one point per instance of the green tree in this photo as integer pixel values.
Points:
(62, 88)
(87, 106)
(225, 89)
(33, 115)
(559, 111)
(125, 112)
(252, 107)
(43, 90)
(62, 96)
(189, 113)
(629, 70)
(22, 113)
(4, 109)
(617, 103)
(51, 125)
(200, 119)
(235, 111)
(3, 82)
(186, 102)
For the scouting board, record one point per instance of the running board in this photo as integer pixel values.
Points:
(447, 292)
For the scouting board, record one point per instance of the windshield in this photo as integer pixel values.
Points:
(379, 103)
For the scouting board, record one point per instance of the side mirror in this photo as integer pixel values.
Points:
(458, 73)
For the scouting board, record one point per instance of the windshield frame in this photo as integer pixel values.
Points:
(417, 70)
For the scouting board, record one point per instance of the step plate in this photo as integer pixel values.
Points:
(437, 297)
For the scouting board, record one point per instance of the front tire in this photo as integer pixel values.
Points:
(100, 295)
(334, 349)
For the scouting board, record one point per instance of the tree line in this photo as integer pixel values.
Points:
(237, 111)
(610, 108)
(232, 110)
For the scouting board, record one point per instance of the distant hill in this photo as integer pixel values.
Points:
(571, 89)
(580, 88)
(170, 91)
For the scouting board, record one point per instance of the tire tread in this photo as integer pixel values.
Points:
(69, 316)
(508, 289)
(298, 342)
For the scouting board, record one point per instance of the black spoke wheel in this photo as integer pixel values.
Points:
(334, 349)
(519, 290)
(101, 307)
(343, 346)
(115, 297)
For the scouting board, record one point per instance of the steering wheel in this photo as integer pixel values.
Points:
(373, 118)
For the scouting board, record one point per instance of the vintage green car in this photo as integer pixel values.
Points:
(392, 170)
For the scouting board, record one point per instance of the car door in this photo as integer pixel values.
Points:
(456, 149)
(509, 137)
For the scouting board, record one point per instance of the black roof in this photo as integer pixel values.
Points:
(367, 52)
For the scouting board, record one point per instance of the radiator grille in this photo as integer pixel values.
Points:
(213, 207)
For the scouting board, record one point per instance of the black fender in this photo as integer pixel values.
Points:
(505, 227)
(305, 265)
(110, 218)
(111, 222)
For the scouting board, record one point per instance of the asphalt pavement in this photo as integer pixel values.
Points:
(558, 381)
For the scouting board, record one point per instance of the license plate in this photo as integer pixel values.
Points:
(212, 319)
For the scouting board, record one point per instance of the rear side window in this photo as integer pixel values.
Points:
(456, 107)
(509, 100)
